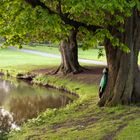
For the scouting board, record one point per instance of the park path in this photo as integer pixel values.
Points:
(45, 54)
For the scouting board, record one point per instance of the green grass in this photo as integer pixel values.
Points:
(23, 62)
(91, 54)
(87, 54)
(131, 132)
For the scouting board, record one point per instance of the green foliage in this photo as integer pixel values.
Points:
(3, 136)
(100, 53)
(138, 4)
(21, 23)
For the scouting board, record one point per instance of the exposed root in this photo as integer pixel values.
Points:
(62, 70)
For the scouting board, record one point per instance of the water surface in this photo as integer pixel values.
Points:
(26, 101)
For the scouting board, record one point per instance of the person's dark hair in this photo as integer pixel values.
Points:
(105, 70)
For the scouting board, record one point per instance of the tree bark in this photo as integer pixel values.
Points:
(124, 75)
(69, 55)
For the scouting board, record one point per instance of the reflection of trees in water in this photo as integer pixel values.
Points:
(29, 107)
(4, 90)
(4, 85)
(14, 94)
(2, 97)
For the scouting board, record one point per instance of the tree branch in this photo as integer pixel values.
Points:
(64, 17)
(59, 7)
(35, 3)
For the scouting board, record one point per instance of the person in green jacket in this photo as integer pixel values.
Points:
(103, 82)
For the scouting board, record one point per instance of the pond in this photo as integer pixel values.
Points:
(26, 101)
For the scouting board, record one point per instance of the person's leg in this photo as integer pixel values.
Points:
(100, 94)
(99, 91)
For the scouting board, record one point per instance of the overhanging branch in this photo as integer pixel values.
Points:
(64, 17)
(35, 3)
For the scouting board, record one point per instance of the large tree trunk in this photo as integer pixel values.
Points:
(69, 55)
(124, 76)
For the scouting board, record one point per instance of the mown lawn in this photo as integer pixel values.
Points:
(10, 59)
(91, 54)
(85, 54)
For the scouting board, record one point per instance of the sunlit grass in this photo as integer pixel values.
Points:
(85, 54)
(131, 131)
(91, 54)
(23, 61)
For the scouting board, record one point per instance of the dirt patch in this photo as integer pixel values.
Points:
(91, 75)
(120, 116)
(45, 70)
(31, 137)
(77, 123)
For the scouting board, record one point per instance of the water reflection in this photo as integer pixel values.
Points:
(30, 107)
(4, 91)
(26, 101)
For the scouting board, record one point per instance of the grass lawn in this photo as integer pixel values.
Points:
(85, 54)
(24, 62)
(80, 120)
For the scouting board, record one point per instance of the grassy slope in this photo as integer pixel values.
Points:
(79, 120)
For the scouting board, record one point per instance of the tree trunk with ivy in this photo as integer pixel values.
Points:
(124, 75)
(69, 55)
